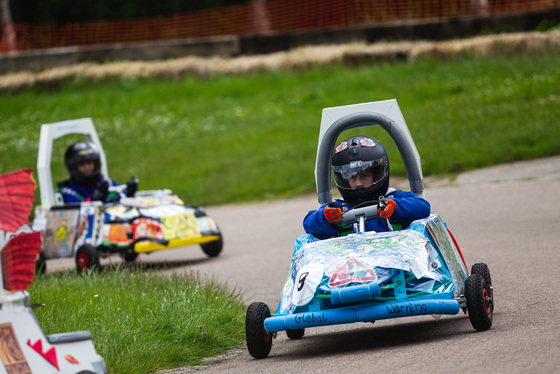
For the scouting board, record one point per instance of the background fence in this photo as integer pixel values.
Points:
(257, 17)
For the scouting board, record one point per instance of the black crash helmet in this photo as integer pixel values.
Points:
(78, 153)
(355, 155)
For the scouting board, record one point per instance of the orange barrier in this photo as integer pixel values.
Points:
(256, 17)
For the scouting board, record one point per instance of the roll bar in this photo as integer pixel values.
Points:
(386, 114)
(52, 131)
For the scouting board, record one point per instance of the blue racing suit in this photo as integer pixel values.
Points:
(73, 192)
(410, 207)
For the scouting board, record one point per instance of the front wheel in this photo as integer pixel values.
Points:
(295, 334)
(259, 342)
(213, 249)
(41, 264)
(480, 301)
(87, 257)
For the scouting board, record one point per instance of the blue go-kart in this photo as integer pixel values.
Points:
(371, 276)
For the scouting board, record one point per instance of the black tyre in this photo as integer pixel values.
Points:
(41, 264)
(259, 341)
(480, 301)
(482, 269)
(295, 334)
(129, 256)
(213, 249)
(86, 258)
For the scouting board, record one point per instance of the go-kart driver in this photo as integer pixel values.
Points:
(86, 183)
(361, 173)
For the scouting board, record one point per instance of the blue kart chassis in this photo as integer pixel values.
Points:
(393, 275)
(360, 298)
(360, 303)
(436, 304)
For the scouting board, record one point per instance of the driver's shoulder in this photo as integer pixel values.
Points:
(392, 192)
(111, 182)
(64, 183)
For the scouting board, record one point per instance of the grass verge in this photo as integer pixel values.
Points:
(142, 321)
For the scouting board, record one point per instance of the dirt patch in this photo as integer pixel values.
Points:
(295, 60)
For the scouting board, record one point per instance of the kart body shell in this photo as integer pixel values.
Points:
(369, 276)
(147, 222)
(24, 347)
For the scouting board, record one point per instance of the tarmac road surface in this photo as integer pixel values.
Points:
(506, 216)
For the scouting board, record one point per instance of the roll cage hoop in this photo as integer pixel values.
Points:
(52, 131)
(386, 114)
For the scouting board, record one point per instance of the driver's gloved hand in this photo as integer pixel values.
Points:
(131, 186)
(333, 214)
(389, 209)
(101, 192)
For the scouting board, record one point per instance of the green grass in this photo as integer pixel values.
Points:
(142, 321)
(231, 139)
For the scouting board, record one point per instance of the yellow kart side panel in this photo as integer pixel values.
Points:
(144, 247)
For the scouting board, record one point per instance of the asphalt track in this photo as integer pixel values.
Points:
(506, 216)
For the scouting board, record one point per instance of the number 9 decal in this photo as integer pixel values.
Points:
(307, 280)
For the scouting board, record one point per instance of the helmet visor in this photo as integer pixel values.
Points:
(344, 174)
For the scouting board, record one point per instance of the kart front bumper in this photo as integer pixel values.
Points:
(362, 313)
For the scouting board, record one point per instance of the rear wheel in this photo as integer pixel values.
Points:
(129, 256)
(213, 249)
(86, 258)
(480, 301)
(482, 269)
(295, 334)
(259, 342)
